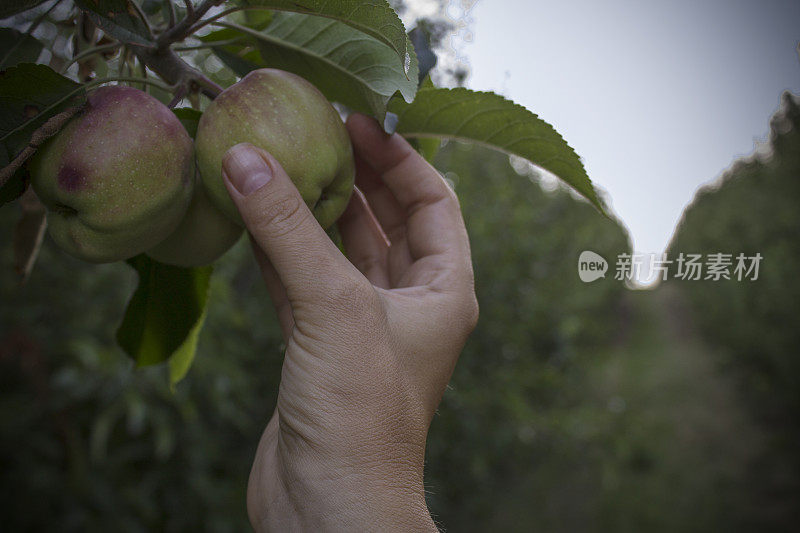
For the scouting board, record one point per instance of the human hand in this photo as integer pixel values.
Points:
(370, 343)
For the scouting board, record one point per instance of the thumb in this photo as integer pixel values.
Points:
(281, 224)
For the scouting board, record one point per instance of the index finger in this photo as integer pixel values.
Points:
(434, 223)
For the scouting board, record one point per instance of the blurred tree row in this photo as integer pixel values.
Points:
(500, 422)
(755, 208)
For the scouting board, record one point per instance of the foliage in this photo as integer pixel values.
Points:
(146, 333)
(17, 48)
(15, 6)
(753, 208)
(356, 52)
(91, 443)
(491, 120)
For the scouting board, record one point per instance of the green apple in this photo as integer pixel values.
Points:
(203, 235)
(289, 118)
(118, 178)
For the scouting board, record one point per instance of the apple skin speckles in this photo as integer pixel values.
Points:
(117, 179)
(291, 119)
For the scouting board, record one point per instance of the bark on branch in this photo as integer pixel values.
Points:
(177, 72)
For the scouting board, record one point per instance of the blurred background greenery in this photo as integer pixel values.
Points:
(574, 407)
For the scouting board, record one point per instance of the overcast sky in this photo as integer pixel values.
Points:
(656, 97)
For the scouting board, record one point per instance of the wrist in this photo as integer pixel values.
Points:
(338, 499)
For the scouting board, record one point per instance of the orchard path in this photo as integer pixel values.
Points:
(682, 433)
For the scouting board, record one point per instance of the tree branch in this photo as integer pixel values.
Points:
(184, 28)
(179, 94)
(89, 52)
(189, 7)
(177, 72)
(162, 60)
(28, 234)
(171, 11)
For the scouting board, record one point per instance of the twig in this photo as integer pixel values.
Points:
(167, 64)
(183, 29)
(88, 52)
(205, 22)
(130, 79)
(176, 71)
(144, 73)
(171, 11)
(28, 234)
(143, 17)
(179, 94)
(208, 87)
(210, 44)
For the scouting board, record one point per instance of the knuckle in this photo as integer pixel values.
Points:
(281, 216)
(467, 311)
(452, 199)
(472, 313)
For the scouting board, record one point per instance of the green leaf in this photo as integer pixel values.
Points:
(491, 120)
(257, 19)
(189, 118)
(375, 18)
(12, 7)
(120, 19)
(241, 57)
(15, 186)
(165, 314)
(427, 147)
(348, 66)
(30, 95)
(181, 360)
(17, 47)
